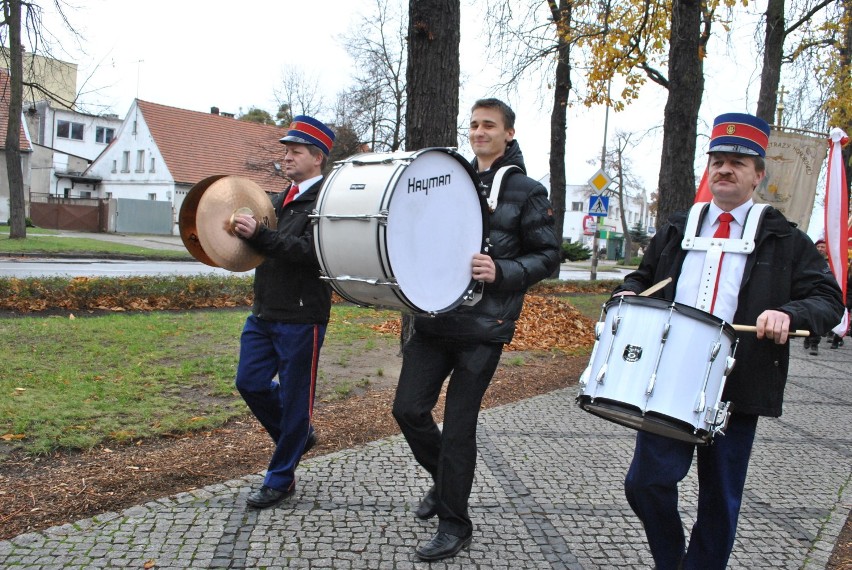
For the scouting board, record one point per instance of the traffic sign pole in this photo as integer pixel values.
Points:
(600, 181)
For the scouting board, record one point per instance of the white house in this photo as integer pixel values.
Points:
(68, 141)
(577, 228)
(158, 153)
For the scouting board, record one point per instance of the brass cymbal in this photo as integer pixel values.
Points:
(206, 221)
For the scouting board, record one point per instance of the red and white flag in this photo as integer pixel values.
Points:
(836, 210)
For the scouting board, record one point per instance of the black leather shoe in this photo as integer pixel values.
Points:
(267, 496)
(310, 442)
(443, 545)
(428, 506)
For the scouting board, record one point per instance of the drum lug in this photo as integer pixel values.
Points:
(601, 374)
(650, 389)
(700, 403)
(714, 350)
(584, 378)
(666, 330)
(474, 295)
(615, 322)
(599, 327)
(729, 365)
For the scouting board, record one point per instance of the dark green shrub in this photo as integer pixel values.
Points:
(575, 252)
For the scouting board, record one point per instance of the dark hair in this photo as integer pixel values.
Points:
(314, 151)
(491, 103)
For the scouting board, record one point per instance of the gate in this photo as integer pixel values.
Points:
(143, 217)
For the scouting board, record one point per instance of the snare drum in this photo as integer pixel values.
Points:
(399, 230)
(659, 366)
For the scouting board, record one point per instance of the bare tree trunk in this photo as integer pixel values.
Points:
(558, 119)
(432, 77)
(434, 32)
(18, 227)
(686, 85)
(773, 47)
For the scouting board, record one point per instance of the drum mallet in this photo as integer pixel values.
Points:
(749, 328)
(654, 288)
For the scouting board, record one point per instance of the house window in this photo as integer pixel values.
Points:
(125, 161)
(69, 130)
(108, 195)
(152, 165)
(115, 166)
(140, 161)
(577, 206)
(104, 134)
(152, 196)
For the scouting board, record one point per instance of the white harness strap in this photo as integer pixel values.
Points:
(715, 247)
(497, 185)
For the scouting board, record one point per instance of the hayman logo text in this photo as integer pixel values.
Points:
(423, 185)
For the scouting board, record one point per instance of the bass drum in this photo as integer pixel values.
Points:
(399, 230)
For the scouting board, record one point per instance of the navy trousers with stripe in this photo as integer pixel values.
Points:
(660, 463)
(276, 377)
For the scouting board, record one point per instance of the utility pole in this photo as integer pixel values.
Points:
(594, 273)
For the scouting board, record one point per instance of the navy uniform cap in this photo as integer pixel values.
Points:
(739, 133)
(307, 130)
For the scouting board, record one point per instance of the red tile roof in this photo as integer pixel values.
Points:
(196, 145)
(5, 95)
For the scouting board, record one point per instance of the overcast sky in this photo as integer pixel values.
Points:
(195, 54)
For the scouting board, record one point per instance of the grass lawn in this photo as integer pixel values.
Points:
(55, 243)
(77, 383)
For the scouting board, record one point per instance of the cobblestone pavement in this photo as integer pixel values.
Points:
(548, 494)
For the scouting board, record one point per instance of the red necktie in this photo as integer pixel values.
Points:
(294, 189)
(723, 231)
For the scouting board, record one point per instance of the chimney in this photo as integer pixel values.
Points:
(214, 110)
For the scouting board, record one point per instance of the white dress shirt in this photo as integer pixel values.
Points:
(306, 184)
(733, 265)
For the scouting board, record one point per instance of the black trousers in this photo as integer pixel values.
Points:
(449, 455)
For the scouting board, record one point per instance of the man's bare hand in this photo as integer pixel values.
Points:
(483, 268)
(773, 325)
(244, 226)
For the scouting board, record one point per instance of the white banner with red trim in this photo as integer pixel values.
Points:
(836, 212)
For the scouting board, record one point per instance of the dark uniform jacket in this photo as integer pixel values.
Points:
(287, 285)
(525, 249)
(785, 273)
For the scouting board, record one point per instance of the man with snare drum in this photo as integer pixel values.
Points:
(468, 340)
(283, 335)
(782, 285)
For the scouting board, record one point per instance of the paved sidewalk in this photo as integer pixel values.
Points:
(548, 494)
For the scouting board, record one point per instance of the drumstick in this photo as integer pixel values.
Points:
(749, 328)
(654, 288)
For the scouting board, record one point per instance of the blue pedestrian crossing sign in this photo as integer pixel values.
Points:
(598, 205)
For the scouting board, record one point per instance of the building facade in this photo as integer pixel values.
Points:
(579, 226)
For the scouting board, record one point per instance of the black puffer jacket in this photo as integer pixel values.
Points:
(525, 249)
(785, 273)
(287, 287)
